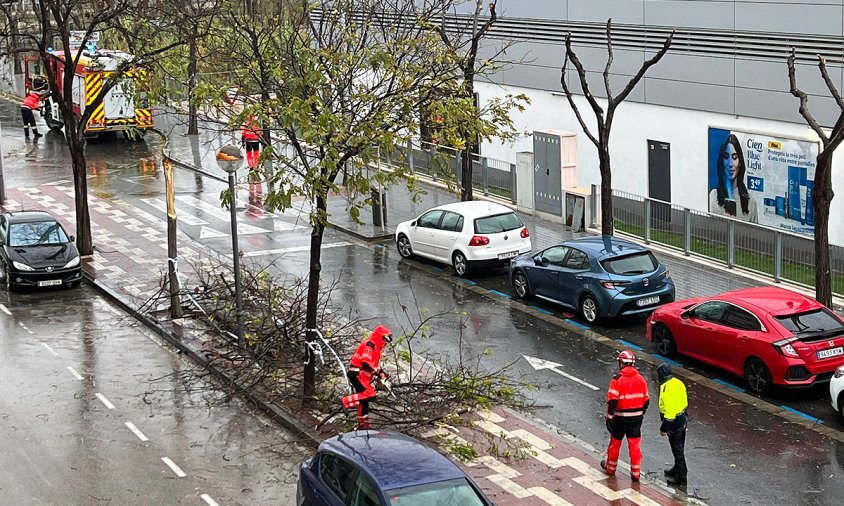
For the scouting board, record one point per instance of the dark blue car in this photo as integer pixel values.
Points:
(382, 468)
(600, 277)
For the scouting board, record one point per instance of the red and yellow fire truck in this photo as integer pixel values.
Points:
(124, 108)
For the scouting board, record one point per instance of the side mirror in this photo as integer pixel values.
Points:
(72, 238)
(686, 314)
(413, 223)
(537, 260)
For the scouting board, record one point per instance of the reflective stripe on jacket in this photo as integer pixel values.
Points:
(628, 394)
(672, 398)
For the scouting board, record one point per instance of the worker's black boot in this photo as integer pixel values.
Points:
(37, 134)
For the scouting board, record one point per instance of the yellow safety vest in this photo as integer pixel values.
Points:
(672, 398)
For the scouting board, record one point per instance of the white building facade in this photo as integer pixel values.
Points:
(724, 81)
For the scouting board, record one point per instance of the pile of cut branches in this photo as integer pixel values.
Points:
(425, 388)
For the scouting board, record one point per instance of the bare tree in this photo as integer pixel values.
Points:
(604, 119)
(480, 122)
(822, 193)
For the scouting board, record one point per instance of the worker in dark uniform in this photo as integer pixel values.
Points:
(673, 403)
(364, 366)
(627, 401)
(30, 104)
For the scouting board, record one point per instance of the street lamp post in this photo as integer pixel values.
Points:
(229, 158)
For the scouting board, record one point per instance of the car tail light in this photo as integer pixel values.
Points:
(666, 274)
(614, 284)
(479, 240)
(525, 233)
(839, 372)
(784, 347)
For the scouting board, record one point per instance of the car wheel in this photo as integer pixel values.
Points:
(589, 308)
(520, 285)
(461, 265)
(757, 375)
(664, 341)
(403, 245)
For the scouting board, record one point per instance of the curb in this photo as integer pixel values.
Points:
(274, 412)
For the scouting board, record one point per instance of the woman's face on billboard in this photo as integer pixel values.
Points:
(731, 162)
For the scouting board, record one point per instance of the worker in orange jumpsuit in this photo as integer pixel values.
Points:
(250, 137)
(627, 401)
(30, 104)
(363, 367)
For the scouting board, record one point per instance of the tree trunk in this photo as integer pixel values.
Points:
(313, 298)
(193, 127)
(13, 45)
(466, 166)
(76, 146)
(607, 223)
(822, 196)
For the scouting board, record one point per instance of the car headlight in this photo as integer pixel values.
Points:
(839, 372)
(73, 263)
(21, 266)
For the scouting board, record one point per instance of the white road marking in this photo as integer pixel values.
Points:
(538, 363)
(210, 233)
(74, 373)
(25, 327)
(172, 465)
(220, 214)
(51, 350)
(136, 431)
(105, 401)
(208, 500)
(5, 309)
(185, 218)
(293, 249)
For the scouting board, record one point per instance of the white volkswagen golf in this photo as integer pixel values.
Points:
(465, 235)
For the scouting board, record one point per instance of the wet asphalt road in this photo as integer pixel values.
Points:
(737, 454)
(75, 371)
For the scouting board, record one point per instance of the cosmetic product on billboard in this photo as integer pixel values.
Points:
(810, 203)
(795, 177)
(781, 205)
(803, 203)
(770, 205)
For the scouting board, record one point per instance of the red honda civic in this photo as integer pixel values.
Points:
(770, 336)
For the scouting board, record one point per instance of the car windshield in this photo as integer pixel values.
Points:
(497, 223)
(443, 493)
(637, 263)
(37, 233)
(819, 320)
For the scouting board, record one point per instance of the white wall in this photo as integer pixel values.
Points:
(635, 124)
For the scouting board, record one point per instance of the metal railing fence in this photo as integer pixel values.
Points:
(782, 255)
(489, 175)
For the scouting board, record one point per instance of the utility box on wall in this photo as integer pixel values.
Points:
(555, 168)
(524, 178)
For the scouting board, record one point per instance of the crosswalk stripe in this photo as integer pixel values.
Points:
(293, 249)
(220, 214)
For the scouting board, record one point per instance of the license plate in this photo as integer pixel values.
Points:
(832, 352)
(509, 254)
(50, 282)
(647, 301)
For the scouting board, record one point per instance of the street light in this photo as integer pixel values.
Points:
(229, 158)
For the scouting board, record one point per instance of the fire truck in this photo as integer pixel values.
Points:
(123, 109)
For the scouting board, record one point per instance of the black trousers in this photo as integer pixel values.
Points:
(253, 145)
(28, 119)
(677, 440)
(359, 388)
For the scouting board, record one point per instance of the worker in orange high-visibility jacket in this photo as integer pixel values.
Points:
(363, 367)
(250, 137)
(627, 401)
(31, 103)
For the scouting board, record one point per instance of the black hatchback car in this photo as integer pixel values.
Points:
(35, 251)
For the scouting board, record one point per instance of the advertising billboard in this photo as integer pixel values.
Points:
(762, 179)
